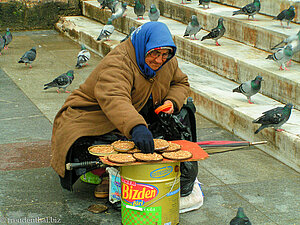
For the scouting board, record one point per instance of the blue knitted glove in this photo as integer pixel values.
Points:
(143, 138)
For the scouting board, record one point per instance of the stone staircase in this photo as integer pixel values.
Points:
(213, 71)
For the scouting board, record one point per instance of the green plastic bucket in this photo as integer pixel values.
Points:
(150, 194)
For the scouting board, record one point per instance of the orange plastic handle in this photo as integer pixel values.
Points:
(163, 108)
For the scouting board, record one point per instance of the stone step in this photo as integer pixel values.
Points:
(233, 60)
(212, 95)
(268, 7)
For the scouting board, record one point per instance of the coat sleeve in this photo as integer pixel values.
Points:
(179, 87)
(113, 93)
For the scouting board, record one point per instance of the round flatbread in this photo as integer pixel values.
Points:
(121, 158)
(160, 144)
(148, 157)
(123, 146)
(101, 150)
(173, 147)
(135, 150)
(178, 155)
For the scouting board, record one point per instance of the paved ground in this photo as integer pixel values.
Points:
(30, 191)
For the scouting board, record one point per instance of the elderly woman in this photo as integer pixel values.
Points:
(117, 100)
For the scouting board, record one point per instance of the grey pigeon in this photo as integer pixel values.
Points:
(139, 9)
(190, 104)
(119, 10)
(288, 40)
(240, 218)
(129, 35)
(28, 57)
(192, 28)
(286, 15)
(108, 3)
(62, 81)
(274, 118)
(249, 88)
(83, 57)
(204, 3)
(106, 31)
(153, 13)
(251, 9)
(2, 43)
(8, 38)
(216, 33)
(282, 56)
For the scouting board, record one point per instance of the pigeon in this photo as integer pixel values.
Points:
(282, 56)
(240, 218)
(83, 57)
(107, 30)
(108, 3)
(216, 33)
(119, 10)
(28, 57)
(8, 38)
(62, 81)
(249, 88)
(289, 40)
(204, 3)
(129, 35)
(192, 28)
(153, 13)
(286, 15)
(139, 9)
(2, 43)
(250, 9)
(190, 104)
(274, 118)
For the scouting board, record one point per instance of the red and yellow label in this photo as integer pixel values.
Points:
(137, 194)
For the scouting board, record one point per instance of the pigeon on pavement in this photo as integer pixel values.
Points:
(204, 3)
(83, 57)
(274, 118)
(251, 9)
(28, 57)
(106, 31)
(153, 13)
(282, 56)
(2, 43)
(192, 28)
(286, 15)
(129, 35)
(139, 9)
(62, 81)
(216, 33)
(8, 38)
(240, 218)
(119, 10)
(249, 88)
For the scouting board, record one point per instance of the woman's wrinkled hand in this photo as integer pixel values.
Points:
(171, 110)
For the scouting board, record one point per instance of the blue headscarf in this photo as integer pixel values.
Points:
(149, 36)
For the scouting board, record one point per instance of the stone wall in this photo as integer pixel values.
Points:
(35, 14)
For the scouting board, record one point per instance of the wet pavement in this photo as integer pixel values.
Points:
(30, 191)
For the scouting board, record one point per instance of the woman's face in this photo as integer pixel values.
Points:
(156, 58)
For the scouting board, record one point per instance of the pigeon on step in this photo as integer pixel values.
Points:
(8, 38)
(286, 15)
(274, 118)
(204, 3)
(108, 3)
(216, 33)
(249, 88)
(106, 31)
(28, 57)
(62, 81)
(240, 218)
(192, 28)
(288, 40)
(83, 57)
(282, 56)
(139, 9)
(119, 10)
(251, 9)
(129, 35)
(153, 13)
(2, 43)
